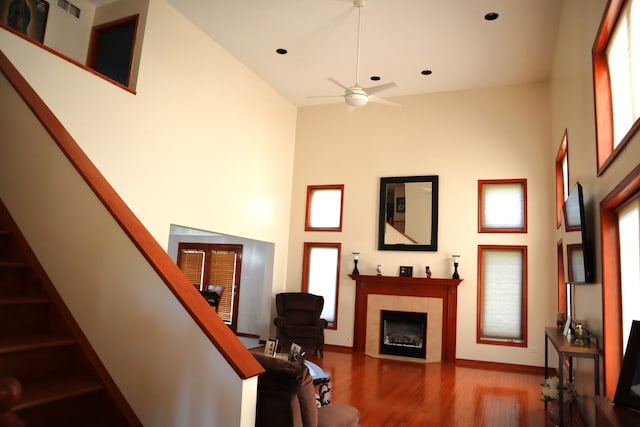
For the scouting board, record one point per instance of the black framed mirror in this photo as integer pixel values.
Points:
(408, 216)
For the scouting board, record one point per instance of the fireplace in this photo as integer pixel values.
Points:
(438, 297)
(403, 333)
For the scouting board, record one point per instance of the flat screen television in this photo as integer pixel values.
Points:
(576, 243)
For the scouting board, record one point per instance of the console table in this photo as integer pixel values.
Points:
(566, 347)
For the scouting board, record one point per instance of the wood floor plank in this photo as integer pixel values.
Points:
(397, 393)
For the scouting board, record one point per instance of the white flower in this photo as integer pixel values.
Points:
(551, 390)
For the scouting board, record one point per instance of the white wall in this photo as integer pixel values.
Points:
(462, 137)
(199, 116)
(67, 34)
(572, 109)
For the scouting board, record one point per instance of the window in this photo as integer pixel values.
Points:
(320, 276)
(502, 206)
(502, 295)
(214, 267)
(324, 208)
(629, 236)
(613, 210)
(616, 67)
(562, 177)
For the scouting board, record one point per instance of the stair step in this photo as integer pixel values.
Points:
(19, 300)
(34, 342)
(14, 264)
(36, 394)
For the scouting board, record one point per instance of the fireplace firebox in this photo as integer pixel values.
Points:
(403, 333)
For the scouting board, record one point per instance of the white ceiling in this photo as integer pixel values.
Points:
(399, 39)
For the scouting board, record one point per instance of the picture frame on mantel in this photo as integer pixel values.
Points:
(406, 271)
(28, 17)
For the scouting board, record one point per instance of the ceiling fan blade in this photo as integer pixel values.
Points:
(325, 96)
(334, 81)
(378, 100)
(375, 89)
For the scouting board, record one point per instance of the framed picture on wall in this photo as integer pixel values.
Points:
(28, 17)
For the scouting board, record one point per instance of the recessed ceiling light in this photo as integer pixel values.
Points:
(492, 16)
(426, 72)
(281, 51)
(375, 78)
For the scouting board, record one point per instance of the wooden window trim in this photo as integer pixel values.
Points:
(310, 190)
(484, 182)
(305, 274)
(525, 274)
(605, 153)
(560, 196)
(562, 286)
(611, 292)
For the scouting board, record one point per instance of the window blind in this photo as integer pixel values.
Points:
(503, 206)
(502, 294)
(323, 273)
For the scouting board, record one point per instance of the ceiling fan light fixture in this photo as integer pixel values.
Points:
(355, 99)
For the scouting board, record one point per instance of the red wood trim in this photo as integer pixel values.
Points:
(605, 153)
(305, 275)
(68, 319)
(483, 182)
(611, 292)
(307, 218)
(502, 367)
(524, 307)
(446, 289)
(560, 196)
(562, 287)
(66, 58)
(234, 352)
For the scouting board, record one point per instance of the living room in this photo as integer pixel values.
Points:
(257, 158)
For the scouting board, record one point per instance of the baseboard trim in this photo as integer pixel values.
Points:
(505, 367)
(338, 348)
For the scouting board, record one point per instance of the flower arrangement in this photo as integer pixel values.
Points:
(551, 390)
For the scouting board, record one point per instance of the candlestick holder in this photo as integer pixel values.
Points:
(456, 262)
(355, 263)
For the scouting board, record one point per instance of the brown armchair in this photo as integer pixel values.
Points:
(299, 322)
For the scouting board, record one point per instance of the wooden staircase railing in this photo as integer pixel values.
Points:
(10, 393)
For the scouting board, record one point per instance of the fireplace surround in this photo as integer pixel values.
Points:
(444, 290)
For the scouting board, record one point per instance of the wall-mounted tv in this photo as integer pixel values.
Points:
(576, 244)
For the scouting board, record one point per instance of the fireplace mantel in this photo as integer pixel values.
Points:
(446, 289)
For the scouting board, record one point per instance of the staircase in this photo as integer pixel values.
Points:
(63, 382)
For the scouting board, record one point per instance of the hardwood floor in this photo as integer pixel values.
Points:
(395, 393)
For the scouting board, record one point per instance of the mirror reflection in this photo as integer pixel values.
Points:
(408, 218)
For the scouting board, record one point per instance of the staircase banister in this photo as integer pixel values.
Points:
(10, 393)
(233, 351)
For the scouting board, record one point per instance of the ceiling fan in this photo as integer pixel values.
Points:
(357, 96)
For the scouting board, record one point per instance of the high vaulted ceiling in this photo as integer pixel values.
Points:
(399, 39)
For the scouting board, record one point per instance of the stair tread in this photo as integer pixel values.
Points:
(35, 394)
(14, 300)
(14, 264)
(33, 342)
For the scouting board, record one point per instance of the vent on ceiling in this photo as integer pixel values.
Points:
(70, 8)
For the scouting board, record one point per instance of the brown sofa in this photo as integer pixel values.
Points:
(286, 398)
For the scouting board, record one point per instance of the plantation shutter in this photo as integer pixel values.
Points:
(222, 273)
(502, 295)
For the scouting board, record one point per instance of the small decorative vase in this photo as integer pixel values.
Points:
(560, 320)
